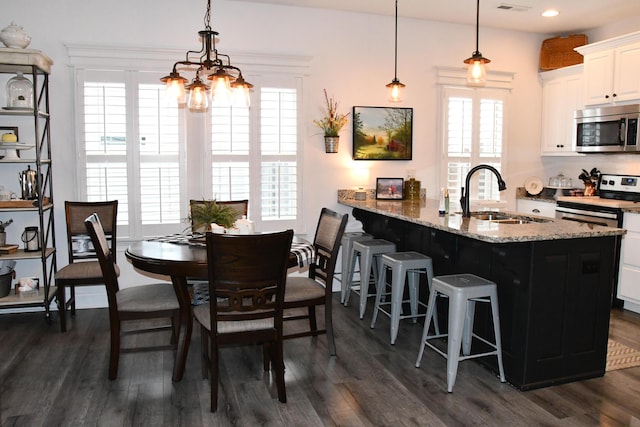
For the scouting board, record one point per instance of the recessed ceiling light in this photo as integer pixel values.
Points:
(550, 13)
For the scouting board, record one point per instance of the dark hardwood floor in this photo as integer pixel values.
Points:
(54, 379)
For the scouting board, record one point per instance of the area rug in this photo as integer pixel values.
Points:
(619, 356)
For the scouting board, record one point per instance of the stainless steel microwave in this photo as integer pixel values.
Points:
(608, 129)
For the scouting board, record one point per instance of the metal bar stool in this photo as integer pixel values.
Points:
(463, 290)
(369, 252)
(403, 265)
(345, 273)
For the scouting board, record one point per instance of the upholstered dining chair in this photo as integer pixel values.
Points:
(133, 303)
(315, 290)
(83, 268)
(247, 275)
(240, 206)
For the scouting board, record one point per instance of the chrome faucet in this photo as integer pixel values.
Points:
(464, 200)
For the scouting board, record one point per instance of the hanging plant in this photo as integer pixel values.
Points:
(332, 122)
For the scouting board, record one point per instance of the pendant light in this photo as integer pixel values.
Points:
(476, 73)
(395, 85)
(228, 87)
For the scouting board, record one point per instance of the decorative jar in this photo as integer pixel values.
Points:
(13, 36)
(19, 92)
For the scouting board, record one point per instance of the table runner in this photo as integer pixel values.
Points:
(302, 249)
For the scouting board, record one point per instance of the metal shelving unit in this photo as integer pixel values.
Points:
(36, 66)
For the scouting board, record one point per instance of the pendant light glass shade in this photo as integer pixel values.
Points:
(476, 71)
(395, 85)
(198, 95)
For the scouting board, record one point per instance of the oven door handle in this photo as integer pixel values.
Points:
(608, 215)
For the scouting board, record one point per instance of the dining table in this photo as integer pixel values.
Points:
(184, 258)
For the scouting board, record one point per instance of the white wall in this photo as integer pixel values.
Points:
(352, 57)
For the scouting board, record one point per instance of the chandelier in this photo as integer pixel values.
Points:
(395, 85)
(227, 87)
(477, 74)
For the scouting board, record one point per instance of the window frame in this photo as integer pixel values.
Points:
(84, 58)
(498, 85)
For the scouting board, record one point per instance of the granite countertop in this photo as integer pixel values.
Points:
(425, 212)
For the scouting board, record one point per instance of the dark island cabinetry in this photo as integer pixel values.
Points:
(554, 295)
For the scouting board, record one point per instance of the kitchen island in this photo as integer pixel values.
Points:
(554, 282)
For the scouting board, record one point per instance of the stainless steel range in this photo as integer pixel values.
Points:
(616, 193)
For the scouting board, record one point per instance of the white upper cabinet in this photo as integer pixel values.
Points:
(561, 97)
(612, 70)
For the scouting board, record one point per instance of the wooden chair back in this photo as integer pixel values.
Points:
(106, 258)
(80, 247)
(240, 206)
(247, 275)
(327, 242)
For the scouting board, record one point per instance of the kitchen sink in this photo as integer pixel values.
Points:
(512, 221)
(506, 218)
(490, 216)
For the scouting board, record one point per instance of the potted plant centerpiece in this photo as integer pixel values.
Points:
(207, 212)
(331, 123)
(3, 235)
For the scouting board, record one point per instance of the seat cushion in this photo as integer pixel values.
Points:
(147, 298)
(302, 289)
(203, 316)
(82, 270)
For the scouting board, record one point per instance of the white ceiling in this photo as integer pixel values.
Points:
(575, 15)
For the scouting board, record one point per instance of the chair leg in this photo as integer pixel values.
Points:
(456, 326)
(427, 322)
(204, 350)
(278, 367)
(266, 356)
(313, 323)
(213, 378)
(62, 309)
(328, 325)
(72, 294)
(397, 291)
(114, 355)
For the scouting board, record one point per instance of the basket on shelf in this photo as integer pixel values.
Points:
(557, 52)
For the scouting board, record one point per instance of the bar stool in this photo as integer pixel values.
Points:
(345, 273)
(463, 290)
(403, 265)
(369, 252)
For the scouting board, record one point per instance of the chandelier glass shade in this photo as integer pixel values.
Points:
(395, 85)
(227, 87)
(476, 71)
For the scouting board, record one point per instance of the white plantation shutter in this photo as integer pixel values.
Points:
(474, 128)
(259, 163)
(278, 142)
(131, 149)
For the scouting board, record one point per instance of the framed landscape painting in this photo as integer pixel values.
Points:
(382, 133)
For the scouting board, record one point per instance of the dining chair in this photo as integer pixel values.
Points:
(83, 268)
(247, 275)
(132, 303)
(315, 290)
(241, 207)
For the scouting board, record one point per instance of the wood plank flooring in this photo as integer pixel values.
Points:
(54, 379)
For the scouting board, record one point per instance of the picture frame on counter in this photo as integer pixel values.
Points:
(382, 133)
(389, 188)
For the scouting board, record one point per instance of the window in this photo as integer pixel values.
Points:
(473, 134)
(131, 149)
(264, 168)
(154, 156)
